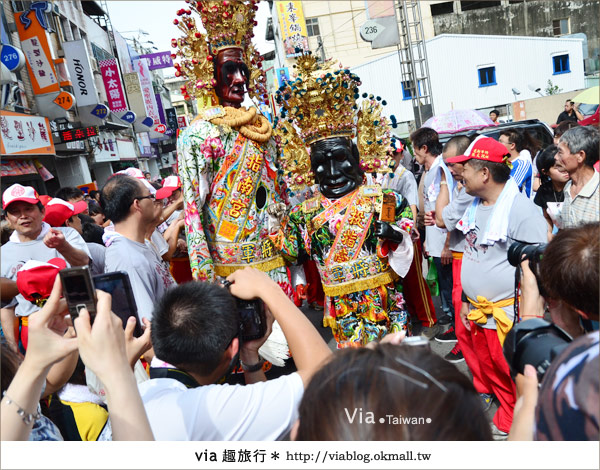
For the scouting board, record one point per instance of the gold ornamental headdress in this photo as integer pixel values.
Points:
(224, 25)
(320, 104)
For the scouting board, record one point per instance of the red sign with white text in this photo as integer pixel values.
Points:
(113, 85)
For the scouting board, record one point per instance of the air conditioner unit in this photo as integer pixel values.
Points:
(94, 63)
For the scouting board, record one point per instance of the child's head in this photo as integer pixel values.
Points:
(548, 168)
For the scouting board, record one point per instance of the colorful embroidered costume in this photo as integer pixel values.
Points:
(228, 181)
(363, 293)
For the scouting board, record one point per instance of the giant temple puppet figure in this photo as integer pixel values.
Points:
(358, 234)
(226, 156)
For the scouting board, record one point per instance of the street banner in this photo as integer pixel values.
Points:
(293, 27)
(158, 60)
(35, 46)
(80, 71)
(112, 83)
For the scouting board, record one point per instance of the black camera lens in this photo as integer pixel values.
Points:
(519, 251)
(534, 342)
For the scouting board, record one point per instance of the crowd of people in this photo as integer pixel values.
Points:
(324, 206)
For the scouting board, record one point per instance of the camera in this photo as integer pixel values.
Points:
(253, 318)
(520, 251)
(536, 342)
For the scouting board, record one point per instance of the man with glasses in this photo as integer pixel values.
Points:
(132, 209)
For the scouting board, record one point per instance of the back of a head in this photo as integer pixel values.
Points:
(457, 145)
(68, 193)
(91, 232)
(522, 139)
(192, 326)
(353, 396)
(94, 207)
(584, 138)
(117, 195)
(427, 136)
(564, 127)
(570, 270)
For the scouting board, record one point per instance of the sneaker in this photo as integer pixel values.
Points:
(498, 435)
(455, 355)
(445, 320)
(486, 399)
(448, 336)
(429, 331)
(316, 306)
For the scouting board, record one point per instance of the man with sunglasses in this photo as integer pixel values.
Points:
(131, 207)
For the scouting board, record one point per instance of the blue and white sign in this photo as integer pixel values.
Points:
(100, 111)
(12, 58)
(148, 122)
(129, 117)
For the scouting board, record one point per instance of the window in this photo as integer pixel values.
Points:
(561, 64)
(312, 26)
(467, 6)
(442, 8)
(560, 27)
(406, 91)
(487, 76)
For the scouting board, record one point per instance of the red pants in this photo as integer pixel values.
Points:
(495, 371)
(415, 290)
(314, 288)
(464, 337)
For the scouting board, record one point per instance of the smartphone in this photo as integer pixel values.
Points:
(79, 291)
(117, 284)
(253, 319)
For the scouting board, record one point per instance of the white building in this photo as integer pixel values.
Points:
(479, 72)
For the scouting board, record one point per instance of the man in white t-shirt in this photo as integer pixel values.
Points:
(196, 329)
(128, 203)
(32, 239)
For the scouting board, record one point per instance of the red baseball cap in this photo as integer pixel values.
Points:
(17, 192)
(44, 199)
(35, 279)
(483, 148)
(170, 185)
(59, 211)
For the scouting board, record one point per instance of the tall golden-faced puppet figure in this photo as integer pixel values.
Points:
(359, 235)
(226, 156)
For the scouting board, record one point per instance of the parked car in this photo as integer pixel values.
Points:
(538, 129)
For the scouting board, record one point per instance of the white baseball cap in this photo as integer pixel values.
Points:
(17, 192)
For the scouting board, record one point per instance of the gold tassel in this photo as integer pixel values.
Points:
(225, 270)
(360, 284)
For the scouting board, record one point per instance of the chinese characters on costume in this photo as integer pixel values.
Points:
(358, 234)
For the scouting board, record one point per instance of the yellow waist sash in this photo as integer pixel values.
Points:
(483, 307)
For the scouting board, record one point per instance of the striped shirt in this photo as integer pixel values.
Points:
(522, 172)
(583, 208)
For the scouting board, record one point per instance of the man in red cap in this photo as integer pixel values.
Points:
(32, 239)
(498, 215)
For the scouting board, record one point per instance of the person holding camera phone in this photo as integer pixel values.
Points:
(195, 328)
(32, 239)
(102, 348)
(566, 406)
(498, 215)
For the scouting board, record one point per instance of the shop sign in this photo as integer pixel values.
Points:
(25, 134)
